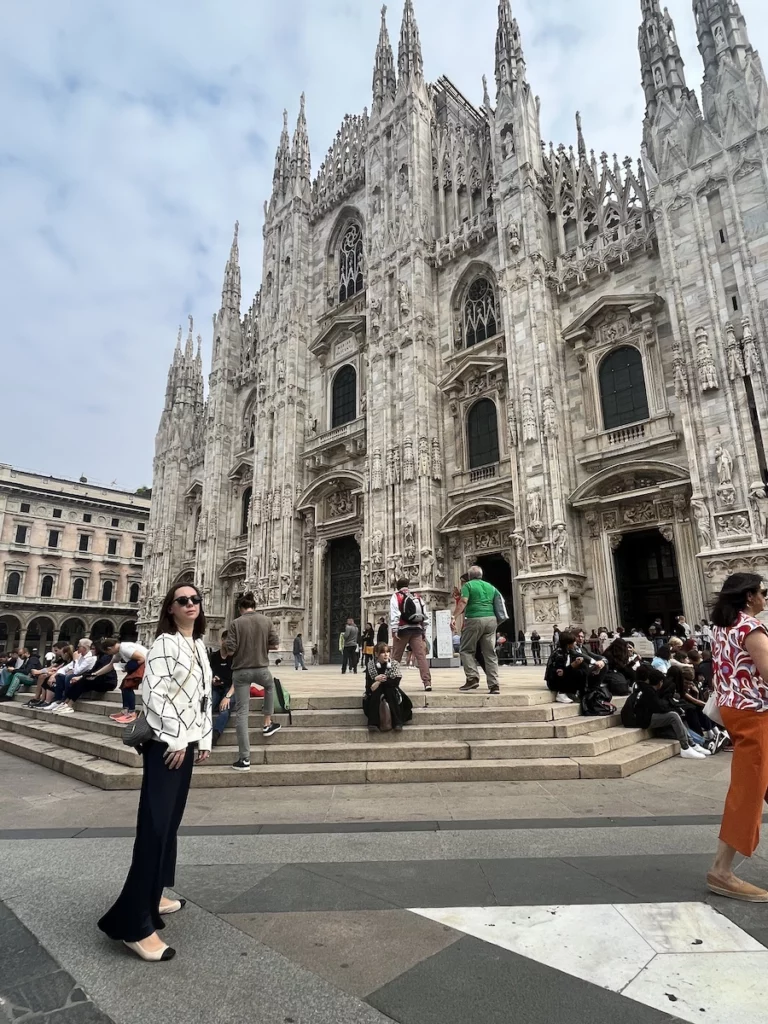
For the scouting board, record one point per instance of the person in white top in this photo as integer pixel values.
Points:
(134, 657)
(85, 659)
(176, 691)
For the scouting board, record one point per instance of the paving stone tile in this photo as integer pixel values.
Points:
(358, 951)
(217, 885)
(474, 981)
(42, 995)
(411, 883)
(651, 879)
(79, 1013)
(538, 881)
(294, 888)
(22, 965)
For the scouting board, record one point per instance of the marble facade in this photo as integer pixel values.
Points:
(436, 363)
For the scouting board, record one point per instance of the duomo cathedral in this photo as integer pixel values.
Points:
(472, 347)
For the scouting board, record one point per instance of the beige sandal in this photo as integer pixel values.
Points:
(736, 890)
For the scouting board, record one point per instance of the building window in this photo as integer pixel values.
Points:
(133, 597)
(87, 517)
(112, 546)
(480, 317)
(344, 398)
(245, 510)
(622, 388)
(78, 587)
(138, 549)
(107, 589)
(115, 522)
(83, 543)
(46, 588)
(25, 506)
(351, 279)
(14, 584)
(53, 538)
(483, 434)
(57, 513)
(141, 527)
(21, 534)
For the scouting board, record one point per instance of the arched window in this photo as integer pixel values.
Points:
(344, 397)
(77, 589)
(46, 586)
(622, 388)
(245, 509)
(107, 589)
(483, 434)
(133, 597)
(480, 316)
(14, 584)
(351, 279)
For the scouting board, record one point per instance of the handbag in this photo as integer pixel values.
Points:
(500, 608)
(138, 733)
(385, 716)
(712, 711)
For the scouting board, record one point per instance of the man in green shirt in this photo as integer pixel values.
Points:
(476, 602)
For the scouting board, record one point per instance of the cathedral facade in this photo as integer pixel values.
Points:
(469, 346)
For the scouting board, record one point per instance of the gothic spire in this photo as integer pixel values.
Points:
(510, 62)
(722, 32)
(282, 159)
(300, 159)
(580, 136)
(384, 77)
(410, 64)
(662, 65)
(230, 293)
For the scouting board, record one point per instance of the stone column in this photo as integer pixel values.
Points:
(688, 569)
(318, 593)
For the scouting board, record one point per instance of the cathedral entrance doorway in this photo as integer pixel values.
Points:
(498, 572)
(648, 581)
(344, 591)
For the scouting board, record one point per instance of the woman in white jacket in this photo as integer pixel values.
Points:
(176, 691)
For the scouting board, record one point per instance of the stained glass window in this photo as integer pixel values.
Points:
(351, 279)
(480, 316)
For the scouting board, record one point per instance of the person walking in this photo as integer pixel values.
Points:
(249, 641)
(298, 653)
(520, 653)
(740, 658)
(349, 649)
(407, 620)
(176, 691)
(476, 603)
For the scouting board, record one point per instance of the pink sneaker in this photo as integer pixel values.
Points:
(118, 716)
(126, 719)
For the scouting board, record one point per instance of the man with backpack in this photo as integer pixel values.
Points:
(478, 602)
(407, 619)
(250, 639)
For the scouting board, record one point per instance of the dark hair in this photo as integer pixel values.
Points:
(225, 633)
(618, 652)
(379, 648)
(567, 638)
(664, 652)
(680, 656)
(647, 674)
(247, 601)
(166, 622)
(404, 582)
(104, 643)
(676, 679)
(733, 597)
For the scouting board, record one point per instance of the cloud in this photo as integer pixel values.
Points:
(135, 134)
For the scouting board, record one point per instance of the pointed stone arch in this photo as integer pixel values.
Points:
(476, 317)
(637, 472)
(478, 510)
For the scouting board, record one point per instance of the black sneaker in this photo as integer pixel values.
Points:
(493, 689)
(469, 686)
(270, 730)
(243, 765)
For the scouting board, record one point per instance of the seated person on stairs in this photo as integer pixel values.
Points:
(101, 678)
(382, 687)
(566, 671)
(26, 675)
(63, 656)
(85, 659)
(648, 707)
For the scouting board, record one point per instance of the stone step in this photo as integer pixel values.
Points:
(357, 731)
(340, 702)
(608, 740)
(111, 776)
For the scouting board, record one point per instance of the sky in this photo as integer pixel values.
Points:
(136, 133)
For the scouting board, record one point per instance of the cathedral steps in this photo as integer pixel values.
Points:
(461, 737)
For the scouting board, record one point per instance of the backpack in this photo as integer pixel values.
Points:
(283, 699)
(597, 703)
(411, 611)
(551, 678)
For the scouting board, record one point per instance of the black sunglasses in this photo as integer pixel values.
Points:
(184, 601)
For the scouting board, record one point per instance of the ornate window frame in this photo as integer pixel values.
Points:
(350, 364)
(471, 279)
(467, 412)
(349, 219)
(599, 368)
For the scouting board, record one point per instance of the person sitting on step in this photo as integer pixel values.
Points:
(647, 707)
(385, 705)
(23, 676)
(566, 671)
(101, 678)
(63, 656)
(81, 665)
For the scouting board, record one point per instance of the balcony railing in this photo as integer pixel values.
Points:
(656, 435)
(627, 435)
(485, 473)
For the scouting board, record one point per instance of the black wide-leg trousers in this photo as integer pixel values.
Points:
(136, 914)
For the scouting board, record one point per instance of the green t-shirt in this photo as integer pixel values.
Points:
(479, 596)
